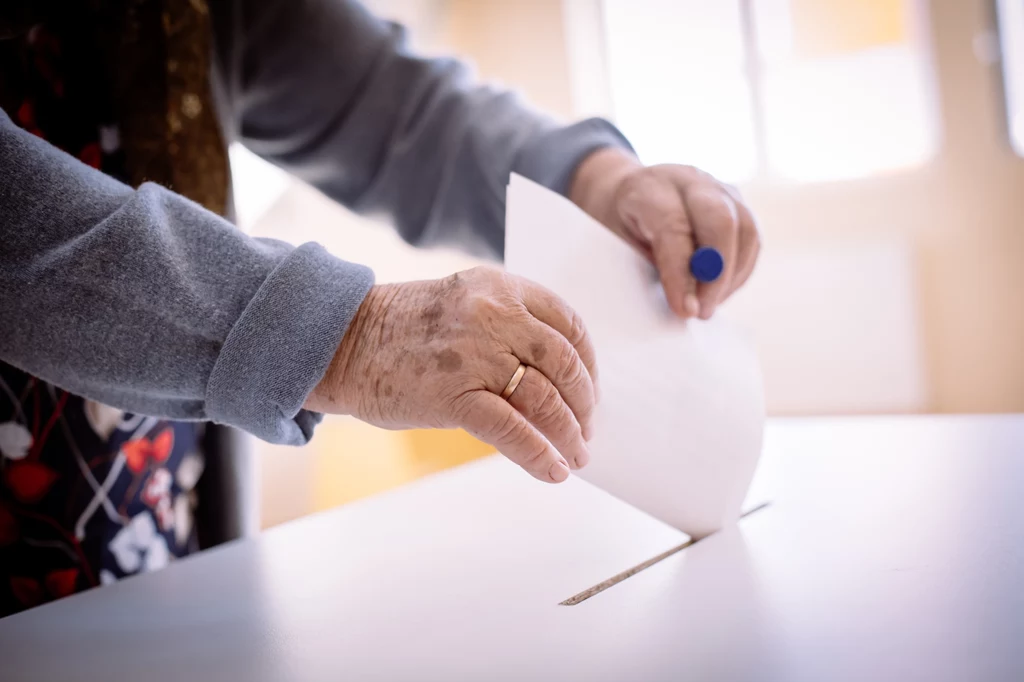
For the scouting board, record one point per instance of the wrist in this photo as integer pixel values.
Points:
(337, 393)
(596, 180)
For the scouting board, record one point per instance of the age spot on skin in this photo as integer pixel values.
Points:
(538, 351)
(448, 361)
(433, 312)
(431, 318)
(388, 390)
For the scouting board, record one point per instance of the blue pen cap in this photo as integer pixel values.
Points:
(706, 264)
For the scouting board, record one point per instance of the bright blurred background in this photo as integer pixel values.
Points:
(878, 141)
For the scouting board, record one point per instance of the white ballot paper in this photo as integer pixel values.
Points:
(679, 425)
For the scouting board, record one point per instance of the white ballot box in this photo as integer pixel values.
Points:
(892, 549)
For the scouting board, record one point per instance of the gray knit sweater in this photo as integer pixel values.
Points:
(143, 300)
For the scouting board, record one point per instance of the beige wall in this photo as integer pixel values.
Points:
(960, 213)
(519, 43)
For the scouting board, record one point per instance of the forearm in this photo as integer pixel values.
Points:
(145, 301)
(334, 95)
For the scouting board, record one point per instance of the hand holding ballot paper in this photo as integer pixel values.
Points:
(678, 428)
(696, 230)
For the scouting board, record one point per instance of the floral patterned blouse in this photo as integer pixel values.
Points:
(88, 493)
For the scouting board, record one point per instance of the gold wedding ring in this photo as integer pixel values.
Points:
(513, 383)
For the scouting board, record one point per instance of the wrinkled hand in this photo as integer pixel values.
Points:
(666, 212)
(438, 354)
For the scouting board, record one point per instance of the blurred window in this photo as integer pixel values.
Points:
(799, 90)
(1011, 41)
(678, 83)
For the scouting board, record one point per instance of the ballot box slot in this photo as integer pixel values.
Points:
(630, 572)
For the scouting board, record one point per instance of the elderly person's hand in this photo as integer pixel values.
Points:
(440, 354)
(666, 212)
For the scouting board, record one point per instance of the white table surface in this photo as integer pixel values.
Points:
(893, 550)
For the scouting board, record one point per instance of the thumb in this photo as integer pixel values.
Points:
(659, 215)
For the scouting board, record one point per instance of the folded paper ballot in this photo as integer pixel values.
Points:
(678, 429)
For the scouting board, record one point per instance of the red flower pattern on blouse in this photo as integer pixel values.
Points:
(140, 452)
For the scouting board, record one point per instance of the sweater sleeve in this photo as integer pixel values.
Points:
(145, 301)
(332, 94)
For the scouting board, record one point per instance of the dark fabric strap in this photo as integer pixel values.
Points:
(156, 57)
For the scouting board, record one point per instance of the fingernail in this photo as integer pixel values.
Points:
(559, 471)
(582, 458)
(692, 305)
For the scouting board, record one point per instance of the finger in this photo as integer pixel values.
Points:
(494, 421)
(541, 347)
(553, 311)
(749, 246)
(713, 214)
(539, 401)
(657, 210)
